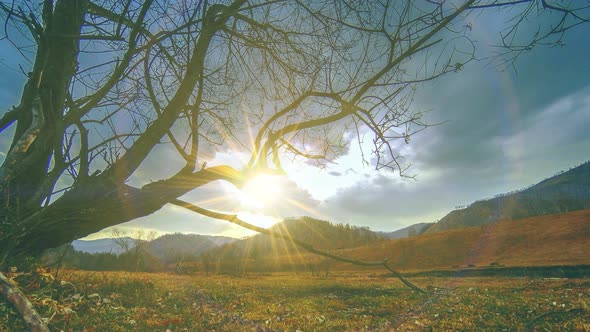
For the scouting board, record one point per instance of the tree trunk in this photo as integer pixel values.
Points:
(25, 179)
(53, 69)
(92, 206)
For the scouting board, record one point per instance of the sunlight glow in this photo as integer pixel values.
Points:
(261, 191)
(258, 219)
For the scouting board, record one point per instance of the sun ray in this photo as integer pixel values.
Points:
(296, 248)
(261, 191)
(310, 210)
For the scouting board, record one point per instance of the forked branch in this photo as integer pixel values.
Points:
(19, 151)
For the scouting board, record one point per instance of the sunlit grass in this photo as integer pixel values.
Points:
(117, 301)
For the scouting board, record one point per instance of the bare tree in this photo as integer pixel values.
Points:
(121, 239)
(109, 83)
(134, 244)
(142, 241)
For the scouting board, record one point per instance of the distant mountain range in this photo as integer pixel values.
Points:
(166, 247)
(174, 247)
(102, 245)
(566, 191)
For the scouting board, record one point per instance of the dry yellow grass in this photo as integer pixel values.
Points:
(112, 301)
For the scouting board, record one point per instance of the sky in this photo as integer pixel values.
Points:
(503, 130)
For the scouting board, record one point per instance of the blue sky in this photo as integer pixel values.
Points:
(504, 129)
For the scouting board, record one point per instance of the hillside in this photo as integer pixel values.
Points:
(565, 192)
(412, 230)
(263, 248)
(561, 239)
(319, 233)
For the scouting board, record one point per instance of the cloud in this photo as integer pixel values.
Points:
(292, 201)
(455, 172)
(554, 138)
(384, 203)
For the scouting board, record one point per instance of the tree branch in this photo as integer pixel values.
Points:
(18, 152)
(129, 162)
(22, 305)
(117, 72)
(410, 51)
(499, 4)
(8, 119)
(235, 220)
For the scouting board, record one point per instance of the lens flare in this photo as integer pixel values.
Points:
(261, 191)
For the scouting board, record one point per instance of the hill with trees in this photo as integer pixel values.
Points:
(265, 253)
(319, 233)
(565, 192)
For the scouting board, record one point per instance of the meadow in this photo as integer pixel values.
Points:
(343, 301)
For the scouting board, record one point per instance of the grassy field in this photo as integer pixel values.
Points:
(113, 301)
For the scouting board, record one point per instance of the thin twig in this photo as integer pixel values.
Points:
(524, 287)
(549, 313)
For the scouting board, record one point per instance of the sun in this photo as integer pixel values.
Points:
(261, 191)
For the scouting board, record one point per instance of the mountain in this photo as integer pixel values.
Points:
(101, 245)
(166, 247)
(564, 192)
(171, 247)
(415, 229)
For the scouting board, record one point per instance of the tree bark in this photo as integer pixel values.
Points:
(54, 66)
